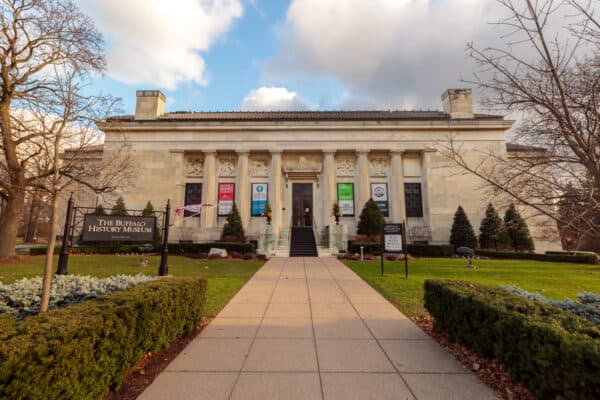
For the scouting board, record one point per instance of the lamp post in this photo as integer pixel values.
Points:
(163, 269)
(64, 251)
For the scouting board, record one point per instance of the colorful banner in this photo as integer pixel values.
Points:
(345, 194)
(226, 196)
(379, 194)
(259, 198)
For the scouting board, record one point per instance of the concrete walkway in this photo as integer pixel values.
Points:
(309, 328)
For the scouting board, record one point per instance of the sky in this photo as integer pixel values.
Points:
(217, 55)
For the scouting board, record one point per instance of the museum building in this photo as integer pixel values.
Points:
(302, 162)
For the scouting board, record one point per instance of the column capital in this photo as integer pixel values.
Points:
(329, 151)
(242, 151)
(362, 151)
(211, 151)
(397, 151)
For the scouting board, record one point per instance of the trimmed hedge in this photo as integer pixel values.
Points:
(419, 250)
(179, 248)
(552, 352)
(580, 258)
(83, 351)
(122, 248)
(174, 248)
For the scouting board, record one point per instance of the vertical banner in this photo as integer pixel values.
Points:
(379, 194)
(259, 199)
(226, 196)
(345, 195)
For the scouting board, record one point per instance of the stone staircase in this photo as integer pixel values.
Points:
(303, 243)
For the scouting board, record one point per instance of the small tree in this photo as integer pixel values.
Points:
(99, 210)
(148, 211)
(233, 231)
(492, 232)
(462, 233)
(119, 208)
(371, 220)
(518, 232)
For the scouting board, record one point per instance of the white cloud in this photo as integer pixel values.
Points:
(274, 99)
(158, 42)
(385, 53)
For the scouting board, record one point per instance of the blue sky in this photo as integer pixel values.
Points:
(297, 54)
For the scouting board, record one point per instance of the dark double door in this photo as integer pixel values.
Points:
(302, 204)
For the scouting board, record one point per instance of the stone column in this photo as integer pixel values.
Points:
(397, 201)
(364, 191)
(275, 190)
(209, 189)
(243, 187)
(426, 186)
(329, 196)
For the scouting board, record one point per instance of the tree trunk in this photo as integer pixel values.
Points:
(47, 280)
(9, 223)
(32, 221)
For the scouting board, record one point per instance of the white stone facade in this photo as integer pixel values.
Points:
(173, 150)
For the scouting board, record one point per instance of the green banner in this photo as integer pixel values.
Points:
(346, 198)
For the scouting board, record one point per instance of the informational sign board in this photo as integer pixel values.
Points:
(226, 197)
(345, 195)
(379, 194)
(113, 228)
(393, 238)
(259, 198)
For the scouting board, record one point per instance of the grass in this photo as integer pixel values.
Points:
(553, 280)
(224, 278)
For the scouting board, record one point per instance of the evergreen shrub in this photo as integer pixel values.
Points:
(83, 351)
(233, 231)
(570, 258)
(552, 352)
(462, 233)
(371, 220)
(518, 232)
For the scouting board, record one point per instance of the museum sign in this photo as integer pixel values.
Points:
(100, 228)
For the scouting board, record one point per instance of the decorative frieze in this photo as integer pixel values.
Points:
(345, 166)
(226, 166)
(194, 166)
(379, 166)
(259, 167)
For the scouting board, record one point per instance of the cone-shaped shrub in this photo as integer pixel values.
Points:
(119, 208)
(371, 219)
(99, 210)
(233, 231)
(492, 232)
(518, 232)
(148, 211)
(462, 233)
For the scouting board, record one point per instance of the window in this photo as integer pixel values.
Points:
(413, 200)
(193, 195)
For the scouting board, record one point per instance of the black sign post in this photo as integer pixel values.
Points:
(64, 251)
(163, 268)
(393, 240)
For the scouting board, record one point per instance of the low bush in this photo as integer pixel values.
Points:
(235, 254)
(418, 250)
(111, 249)
(22, 298)
(248, 256)
(587, 306)
(579, 258)
(83, 351)
(554, 353)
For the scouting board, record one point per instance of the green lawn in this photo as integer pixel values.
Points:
(553, 280)
(224, 278)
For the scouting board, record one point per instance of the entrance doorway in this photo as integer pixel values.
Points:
(302, 204)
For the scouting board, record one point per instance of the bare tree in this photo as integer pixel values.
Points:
(63, 132)
(36, 36)
(552, 78)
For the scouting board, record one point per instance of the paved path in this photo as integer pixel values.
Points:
(309, 328)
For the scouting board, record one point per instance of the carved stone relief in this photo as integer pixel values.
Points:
(226, 166)
(378, 166)
(259, 167)
(345, 166)
(194, 166)
(302, 162)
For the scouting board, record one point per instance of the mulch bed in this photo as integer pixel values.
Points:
(489, 371)
(147, 369)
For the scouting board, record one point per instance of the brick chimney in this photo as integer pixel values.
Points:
(458, 103)
(150, 104)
